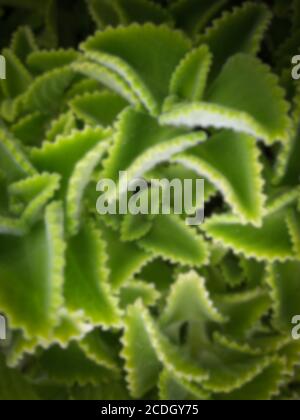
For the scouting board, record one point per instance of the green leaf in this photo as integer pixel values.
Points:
(51, 157)
(157, 145)
(40, 254)
(124, 12)
(142, 378)
(237, 31)
(136, 290)
(232, 271)
(166, 237)
(104, 13)
(70, 327)
(231, 369)
(98, 108)
(192, 15)
(254, 272)
(265, 386)
(23, 42)
(103, 348)
(262, 341)
(31, 128)
(18, 78)
(32, 194)
(122, 50)
(141, 11)
(9, 226)
(172, 388)
(107, 78)
(79, 181)
(49, 38)
(232, 102)
(241, 184)
(178, 171)
(13, 384)
(46, 92)
(243, 310)
(137, 347)
(160, 273)
(116, 390)
(291, 353)
(49, 60)
(284, 282)
(189, 300)
(285, 198)
(86, 287)
(71, 366)
(135, 227)
(291, 167)
(13, 161)
(124, 259)
(82, 86)
(286, 51)
(293, 222)
(11, 108)
(189, 79)
(271, 242)
(61, 126)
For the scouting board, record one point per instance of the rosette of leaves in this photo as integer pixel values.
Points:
(124, 307)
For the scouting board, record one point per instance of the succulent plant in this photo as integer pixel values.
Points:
(124, 306)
